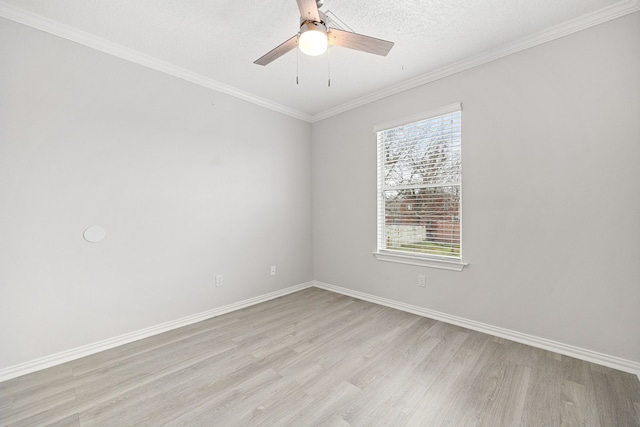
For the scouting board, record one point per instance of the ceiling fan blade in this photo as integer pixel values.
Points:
(276, 53)
(359, 42)
(308, 10)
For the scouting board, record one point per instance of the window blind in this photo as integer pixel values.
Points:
(420, 185)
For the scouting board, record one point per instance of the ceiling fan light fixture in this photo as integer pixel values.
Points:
(313, 38)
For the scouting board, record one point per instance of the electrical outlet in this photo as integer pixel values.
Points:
(273, 270)
(422, 280)
(219, 280)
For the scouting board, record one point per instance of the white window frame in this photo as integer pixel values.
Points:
(412, 258)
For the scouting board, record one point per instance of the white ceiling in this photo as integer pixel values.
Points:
(215, 42)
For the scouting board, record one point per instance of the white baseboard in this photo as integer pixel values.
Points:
(557, 347)
(76, 353)
(86, 350)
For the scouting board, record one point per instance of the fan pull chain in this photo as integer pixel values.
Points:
(328, 68)
(297, 64)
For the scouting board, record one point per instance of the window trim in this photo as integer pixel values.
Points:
(451, 108)
(431, 261)
(422, 261)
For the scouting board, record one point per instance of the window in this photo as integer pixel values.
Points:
(419, 189)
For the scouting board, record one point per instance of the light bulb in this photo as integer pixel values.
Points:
(313, 38)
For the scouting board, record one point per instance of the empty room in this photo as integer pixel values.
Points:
(331, 213)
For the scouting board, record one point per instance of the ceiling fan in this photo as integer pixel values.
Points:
(315, 34)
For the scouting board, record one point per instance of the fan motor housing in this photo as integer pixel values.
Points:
(312, 26)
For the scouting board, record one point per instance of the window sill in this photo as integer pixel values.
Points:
(421, 261)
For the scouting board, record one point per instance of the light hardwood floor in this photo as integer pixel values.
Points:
(319, 358)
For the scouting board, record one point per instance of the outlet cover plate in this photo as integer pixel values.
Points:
(422, 280)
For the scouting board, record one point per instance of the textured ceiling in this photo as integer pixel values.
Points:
(220, 39)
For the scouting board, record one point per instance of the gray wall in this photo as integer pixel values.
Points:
(551, 204)
(187, 182)
(190, 183)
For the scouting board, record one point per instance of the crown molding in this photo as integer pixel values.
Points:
(578, 24)
(61, 30)
(56, 28)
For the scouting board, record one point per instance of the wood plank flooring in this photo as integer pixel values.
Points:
(319, 358)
